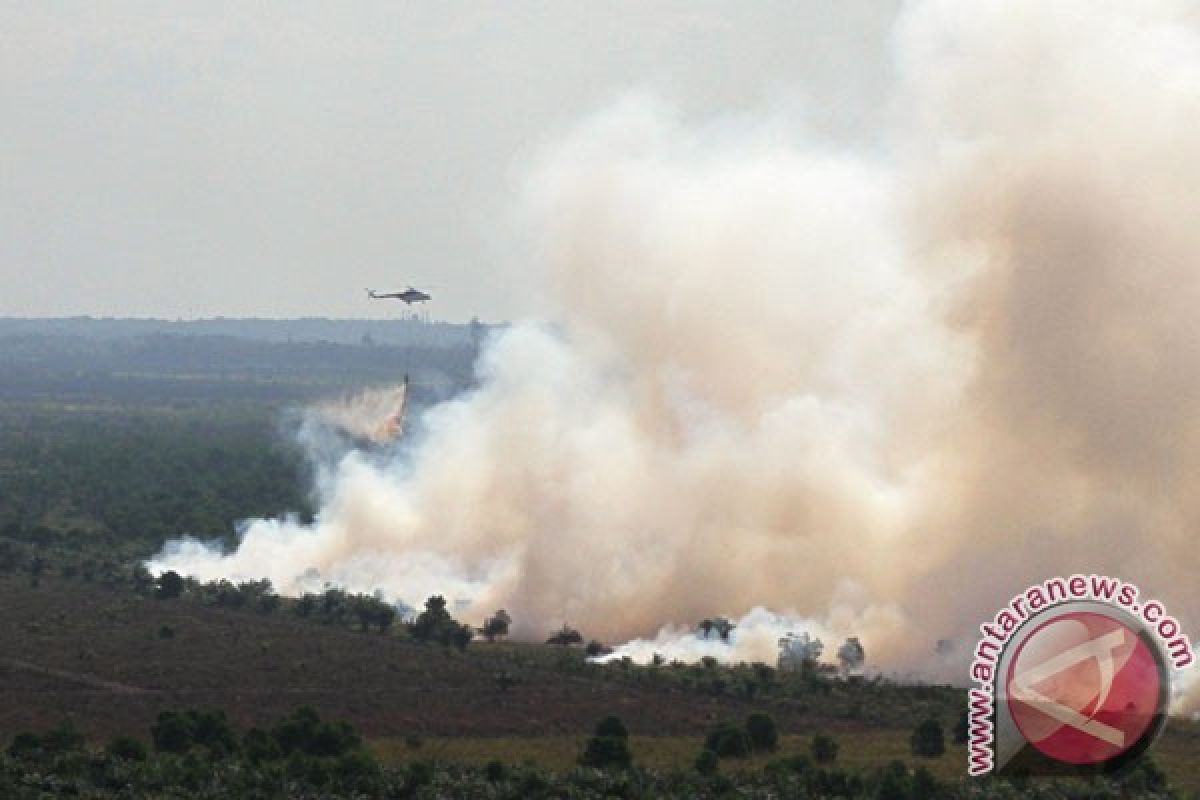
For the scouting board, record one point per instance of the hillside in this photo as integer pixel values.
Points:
(99, 655)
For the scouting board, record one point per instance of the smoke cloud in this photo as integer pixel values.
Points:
(877, 392)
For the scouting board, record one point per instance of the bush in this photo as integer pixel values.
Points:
(764, 736)
(25, 745)
(893, 783)
(62, 738)
(171, 733)
(927, 739)
(418, 774)
(179, 731)
(799, 764)
(824, 749)
(707, 763)
(606, 751)
(259, 746)
(924, 784)
(495, 771)
(356, 769)
(611, 726)
(728, 741)
(304, 732)
(962, 729)
(126, 748)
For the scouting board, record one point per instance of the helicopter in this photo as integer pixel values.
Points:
(409, 295)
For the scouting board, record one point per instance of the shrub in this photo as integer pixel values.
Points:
(606, 751)
(418, 774)
(799, 764)
(62, 738)
(25, 745)
(356, 769)
(728, 741)
(707, 763)
(305, 732)
(927, 740)
(924, 784)
(824, 749)
(259, 746)
(179, 731)
(495, 771)
(126, 748)
(962, 729)
(893, 783)
(611, 726)
(211, 729)
(171, 733)
(764, 737)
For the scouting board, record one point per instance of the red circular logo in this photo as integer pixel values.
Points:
(1083, 688)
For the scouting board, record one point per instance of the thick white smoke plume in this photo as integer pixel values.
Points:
(877, 393)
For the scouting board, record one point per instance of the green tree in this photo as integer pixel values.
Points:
(435, 624)
(170, 585)
(596, 649)
(566, 635)
(496, 625)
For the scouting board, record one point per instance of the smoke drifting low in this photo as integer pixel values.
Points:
(876, 392)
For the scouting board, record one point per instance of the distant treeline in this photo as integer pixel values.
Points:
(400, 331)
(161, 367)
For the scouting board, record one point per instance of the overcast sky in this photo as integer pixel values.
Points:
(259, 159)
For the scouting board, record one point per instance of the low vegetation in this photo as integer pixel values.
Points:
(198, 754)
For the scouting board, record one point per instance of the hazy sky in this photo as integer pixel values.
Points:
(272, 159)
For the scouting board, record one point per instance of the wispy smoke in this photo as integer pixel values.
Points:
(880, 392)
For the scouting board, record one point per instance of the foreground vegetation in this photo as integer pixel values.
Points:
(197, 754)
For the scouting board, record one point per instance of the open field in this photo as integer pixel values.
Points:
(109, 670)
(261, 666)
